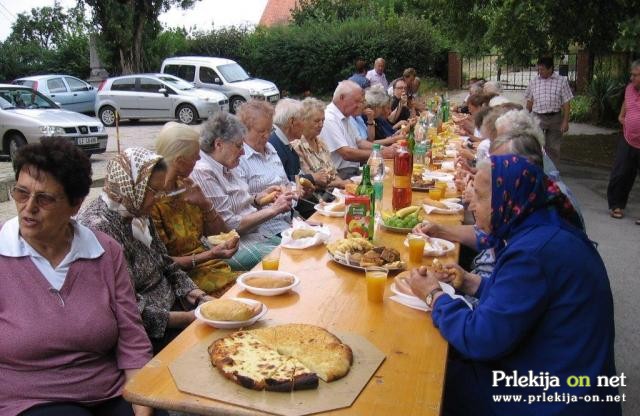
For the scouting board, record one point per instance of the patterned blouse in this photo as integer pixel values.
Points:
(157, 280)
(180, 225)
(312, 161)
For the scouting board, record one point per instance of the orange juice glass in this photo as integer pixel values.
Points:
(272, 260)
(416, 248)
(376, 282)
(443, 188)
(435, 194)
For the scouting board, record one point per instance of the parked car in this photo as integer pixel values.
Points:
(69, 92)
(223, 75)
(27, 116)
(156, 96)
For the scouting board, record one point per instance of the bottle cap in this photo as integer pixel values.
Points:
(402, 142)
(376, 146)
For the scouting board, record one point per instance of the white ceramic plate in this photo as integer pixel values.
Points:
(343, 261)
(439, 176)
(319, 209)
(234, 324)
(267, 273)
(439, 247)
(453, 208)
(404, 296)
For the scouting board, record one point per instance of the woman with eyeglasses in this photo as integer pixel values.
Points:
(166, 295)
(71, 330)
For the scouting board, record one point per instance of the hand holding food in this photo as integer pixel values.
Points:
(221, 238)
(449, 273)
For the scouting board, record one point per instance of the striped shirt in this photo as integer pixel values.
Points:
(377, 79)
(548, 94)
(631, 126)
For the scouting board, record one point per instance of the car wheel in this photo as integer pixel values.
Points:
(107, 115)
(16, 141)
(235, 103)
(187, 114)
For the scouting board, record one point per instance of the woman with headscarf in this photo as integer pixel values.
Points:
(165, 294)
(71, 332)
(546, 310)
(185, 215)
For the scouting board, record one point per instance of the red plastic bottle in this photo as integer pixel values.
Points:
(401, 177)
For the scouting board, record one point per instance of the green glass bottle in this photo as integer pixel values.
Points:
(366, 188)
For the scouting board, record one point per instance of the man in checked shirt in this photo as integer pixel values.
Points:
(548, 96)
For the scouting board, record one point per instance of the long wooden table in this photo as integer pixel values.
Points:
(409, 382)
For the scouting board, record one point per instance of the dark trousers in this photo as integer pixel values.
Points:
(550, 125)
(114, 407)
(623, 175)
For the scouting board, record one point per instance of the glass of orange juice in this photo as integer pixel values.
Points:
(435, 194)
(272, 260)
(416, 248)
(443, 188)
(376, 282)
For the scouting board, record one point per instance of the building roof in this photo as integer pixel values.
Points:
(277, 12)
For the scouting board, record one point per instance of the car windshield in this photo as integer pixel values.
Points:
(233, 73)
(24, 98)
(177, 83)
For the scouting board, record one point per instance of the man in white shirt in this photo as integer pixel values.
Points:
(376, 76)
(347, 148)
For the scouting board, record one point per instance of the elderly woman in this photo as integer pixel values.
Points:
(166, 295)
(185, 215)
(257, 216)
(378, 101)
(400, 108)
(315, 159)
(71, 331)
(538, 309)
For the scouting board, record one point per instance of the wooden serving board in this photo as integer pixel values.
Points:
(193, 373)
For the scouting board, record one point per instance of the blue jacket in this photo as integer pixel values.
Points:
(289, 158)
(547, 307)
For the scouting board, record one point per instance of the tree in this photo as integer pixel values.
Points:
(128, 26)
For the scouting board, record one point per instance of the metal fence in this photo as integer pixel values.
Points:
(512, 76)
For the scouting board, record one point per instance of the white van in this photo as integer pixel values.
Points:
(223, 75)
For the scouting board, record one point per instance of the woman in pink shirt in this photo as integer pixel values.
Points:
(71, 330)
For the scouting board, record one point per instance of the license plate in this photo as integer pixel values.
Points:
(274, 98)
(87, 140)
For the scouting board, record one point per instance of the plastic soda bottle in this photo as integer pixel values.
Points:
(402, 163)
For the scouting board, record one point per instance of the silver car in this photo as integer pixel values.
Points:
(69, 92)
(156, 96)
(27, 116)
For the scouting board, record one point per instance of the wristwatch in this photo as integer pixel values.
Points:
(429, 299)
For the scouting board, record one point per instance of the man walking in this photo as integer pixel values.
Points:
(376, 76)
(548, 96)
(627, 163)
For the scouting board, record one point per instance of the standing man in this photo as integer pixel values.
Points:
(376, 76)
(548, 96)
(627, 163)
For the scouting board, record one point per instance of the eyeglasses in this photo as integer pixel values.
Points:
(43, 199)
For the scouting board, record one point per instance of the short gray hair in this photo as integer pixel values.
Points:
(518, 121)
(376, 97)
(520, 132)
(344, 88)
(635, 64)
(492, 87)
(287, 109)
(310, 106)
(221, 126)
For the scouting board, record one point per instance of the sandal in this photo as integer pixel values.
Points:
(637, 222)
(616, 213)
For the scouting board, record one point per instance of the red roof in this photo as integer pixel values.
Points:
(277, 12)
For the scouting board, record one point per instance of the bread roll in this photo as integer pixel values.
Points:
(306, 183)
(435, 203)
(264, 282)
(229, 310)
(214, 240)
(302, 233)
(269, 198)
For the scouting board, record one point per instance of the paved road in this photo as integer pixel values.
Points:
(619, 246)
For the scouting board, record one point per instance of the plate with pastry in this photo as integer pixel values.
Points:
(359, 253)
(431, 206)
(268, 282)
(231, 313)
(302, 235)
(332, 209)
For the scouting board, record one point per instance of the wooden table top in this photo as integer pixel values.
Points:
(409, 382)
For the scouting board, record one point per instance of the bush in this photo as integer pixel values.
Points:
(607, 93)
(581, 109)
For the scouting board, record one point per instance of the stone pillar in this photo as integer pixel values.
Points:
(583, 71)
(98, 73)
(454, 71)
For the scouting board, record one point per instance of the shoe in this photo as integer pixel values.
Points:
(637, 222)
(616, 213)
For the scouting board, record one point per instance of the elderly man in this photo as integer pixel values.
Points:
(548, 96)
(347, 148)
(627, 163)
(376, 76)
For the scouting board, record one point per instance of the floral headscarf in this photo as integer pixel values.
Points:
(518, 188)
(125, 186)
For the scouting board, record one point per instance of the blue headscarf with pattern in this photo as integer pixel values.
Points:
(519, 188)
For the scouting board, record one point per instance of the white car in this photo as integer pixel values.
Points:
(222, 75)
(27, 116)
(155, 96)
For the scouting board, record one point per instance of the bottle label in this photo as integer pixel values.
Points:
(402, 182)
